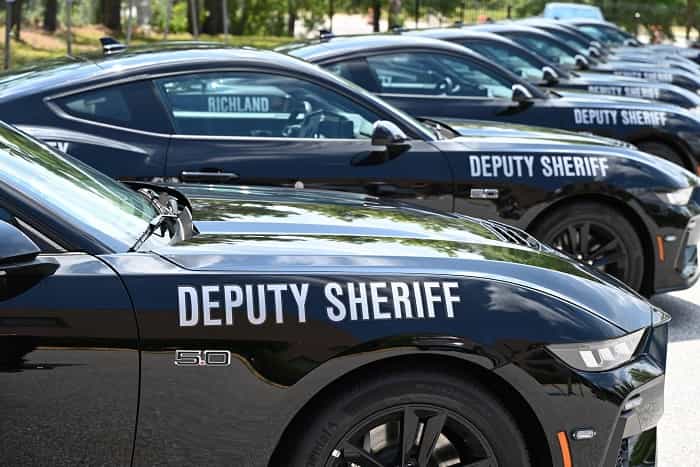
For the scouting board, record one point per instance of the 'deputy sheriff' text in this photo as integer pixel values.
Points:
(519, 166)
(256, 304)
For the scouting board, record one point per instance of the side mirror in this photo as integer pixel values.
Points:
(550, 75)
(521, 93)
(594, 52)
(387, 134)
(597, 44)
(19, 254)
(631, 43)
(582, 62)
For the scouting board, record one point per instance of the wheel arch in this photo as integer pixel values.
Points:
(525, 417)
(628, 212)
(675, 144)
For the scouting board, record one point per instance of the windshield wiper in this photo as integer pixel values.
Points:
(162, 221)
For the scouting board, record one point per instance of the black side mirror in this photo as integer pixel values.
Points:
(387, 134)
(19, 255)
(521, 94)
(582, 62)
(550, 75)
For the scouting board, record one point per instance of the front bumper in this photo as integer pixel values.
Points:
(676, 247)
(622, 406)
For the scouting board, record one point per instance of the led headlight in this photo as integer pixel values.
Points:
(678, 197)
(599, 356)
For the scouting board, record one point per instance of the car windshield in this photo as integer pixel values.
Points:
(79, 195)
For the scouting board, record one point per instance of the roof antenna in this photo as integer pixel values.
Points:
(111, 46)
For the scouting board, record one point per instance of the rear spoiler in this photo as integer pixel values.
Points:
(111, 46)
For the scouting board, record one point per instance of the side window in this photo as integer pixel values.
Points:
(550, 51)
(261, 105)
(420, 73)
(131, 105)
(508, 58)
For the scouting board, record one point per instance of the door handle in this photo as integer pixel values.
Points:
(208, 177)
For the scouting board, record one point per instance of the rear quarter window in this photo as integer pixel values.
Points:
(131, 105)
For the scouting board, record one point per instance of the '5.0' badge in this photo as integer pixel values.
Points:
(202, 357)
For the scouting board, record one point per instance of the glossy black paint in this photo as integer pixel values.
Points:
(87, 352)
(553, 111)
(595, 83)
(649, 72)
(427, 170)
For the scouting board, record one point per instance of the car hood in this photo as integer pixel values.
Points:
(274, 230)
(485, 130)
(584, 99)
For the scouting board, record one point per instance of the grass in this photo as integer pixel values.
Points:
(35, 44)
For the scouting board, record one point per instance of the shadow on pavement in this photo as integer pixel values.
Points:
(686, 316)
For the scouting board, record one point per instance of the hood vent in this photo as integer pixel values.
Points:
(511, 234)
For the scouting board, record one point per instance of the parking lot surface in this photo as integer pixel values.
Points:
(679, 443)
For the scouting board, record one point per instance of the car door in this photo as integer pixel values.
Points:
(69, 365)
(117, 128)
(264, 128)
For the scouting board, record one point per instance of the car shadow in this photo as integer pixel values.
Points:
(686, 316)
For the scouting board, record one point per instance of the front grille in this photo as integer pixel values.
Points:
(623, 457)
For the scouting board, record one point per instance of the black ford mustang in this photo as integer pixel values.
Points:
(290, 327)
(538, 70)
(253, 117)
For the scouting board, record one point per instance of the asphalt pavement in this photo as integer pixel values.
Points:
(679, 431)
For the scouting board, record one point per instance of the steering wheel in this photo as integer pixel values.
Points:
(291, 128)
(447, 86)
(311, 125)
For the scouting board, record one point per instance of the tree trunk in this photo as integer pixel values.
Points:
(190, 24)
(110, 14)
(17, 17)
(291, 17)
(214, 24)
(50, 14)
(376, 14)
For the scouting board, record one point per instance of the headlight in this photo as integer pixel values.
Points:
(599, 356)
(678, 197)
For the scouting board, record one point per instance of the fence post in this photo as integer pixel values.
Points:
(8, 31)
(129, 19)
(509, 13)
(195, 25)
(69, 25)
(331, 12)
(224, 13)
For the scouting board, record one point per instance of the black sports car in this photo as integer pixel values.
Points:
(561, 53)
(432, 78)
(256, 117)
(538, 70)
(579, 40)
(293, 328)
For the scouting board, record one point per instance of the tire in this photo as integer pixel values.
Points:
(664, 151)
(624, 259)
(374, 411)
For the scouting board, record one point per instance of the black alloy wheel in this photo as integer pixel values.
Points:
(414, 436)
(596, 235)
(407, 418)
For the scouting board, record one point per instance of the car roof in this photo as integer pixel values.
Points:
(456, 33)
(319, 50)
(70, 71)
